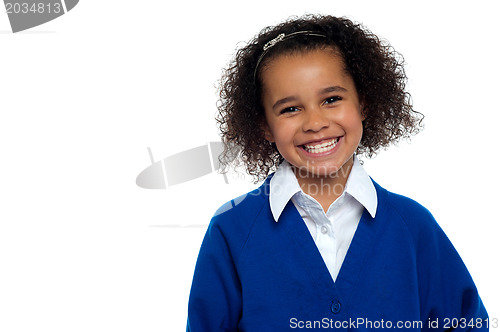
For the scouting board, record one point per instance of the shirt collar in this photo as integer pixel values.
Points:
(284, 186)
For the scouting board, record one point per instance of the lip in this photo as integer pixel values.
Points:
(319, 141)
(322, 154)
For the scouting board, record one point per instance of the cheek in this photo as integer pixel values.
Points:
(357, 129)
(358, 125)
(353, 127)
(282, 137)
(352, 121)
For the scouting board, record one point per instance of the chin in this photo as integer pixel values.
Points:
(317, 171)
(330, 172)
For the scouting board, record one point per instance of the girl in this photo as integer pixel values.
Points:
(320, 244)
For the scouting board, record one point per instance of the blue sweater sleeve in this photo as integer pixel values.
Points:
(448, 295)
(452, 297)
(215, 298)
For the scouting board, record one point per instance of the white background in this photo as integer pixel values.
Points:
(82, 248)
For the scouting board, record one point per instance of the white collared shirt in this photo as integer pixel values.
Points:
(332, 231)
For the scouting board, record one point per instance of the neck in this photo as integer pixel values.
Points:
(325, 188)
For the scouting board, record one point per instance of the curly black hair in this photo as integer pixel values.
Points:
(376, 68)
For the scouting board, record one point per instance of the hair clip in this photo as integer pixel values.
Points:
(280, 38)
(274, 41)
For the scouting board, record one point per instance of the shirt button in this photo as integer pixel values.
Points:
(336, 307)
(324, 230)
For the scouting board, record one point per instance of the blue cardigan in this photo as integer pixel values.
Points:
(256, 275)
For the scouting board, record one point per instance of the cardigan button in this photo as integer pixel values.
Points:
(336, 306)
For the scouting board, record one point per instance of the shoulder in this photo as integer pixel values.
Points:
(405, 207)
(244, 205)
(417, 219)
(235, 219)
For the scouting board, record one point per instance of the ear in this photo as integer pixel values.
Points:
(363, 111)
(268, 135)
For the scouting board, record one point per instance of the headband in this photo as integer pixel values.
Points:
(281, 37)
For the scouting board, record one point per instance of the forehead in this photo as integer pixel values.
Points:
(297, 69)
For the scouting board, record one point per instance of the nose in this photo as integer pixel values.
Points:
(315, 120)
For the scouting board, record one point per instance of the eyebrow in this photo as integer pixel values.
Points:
(335, 88)
(329, 89)
(284, 101)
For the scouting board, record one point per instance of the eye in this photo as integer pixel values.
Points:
(289, 110)
(331, 100)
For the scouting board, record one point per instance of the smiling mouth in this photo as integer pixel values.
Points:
(323, 147)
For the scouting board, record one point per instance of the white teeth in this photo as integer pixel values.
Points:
(323, 147)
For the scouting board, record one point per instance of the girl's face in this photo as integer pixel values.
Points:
(313, 112)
